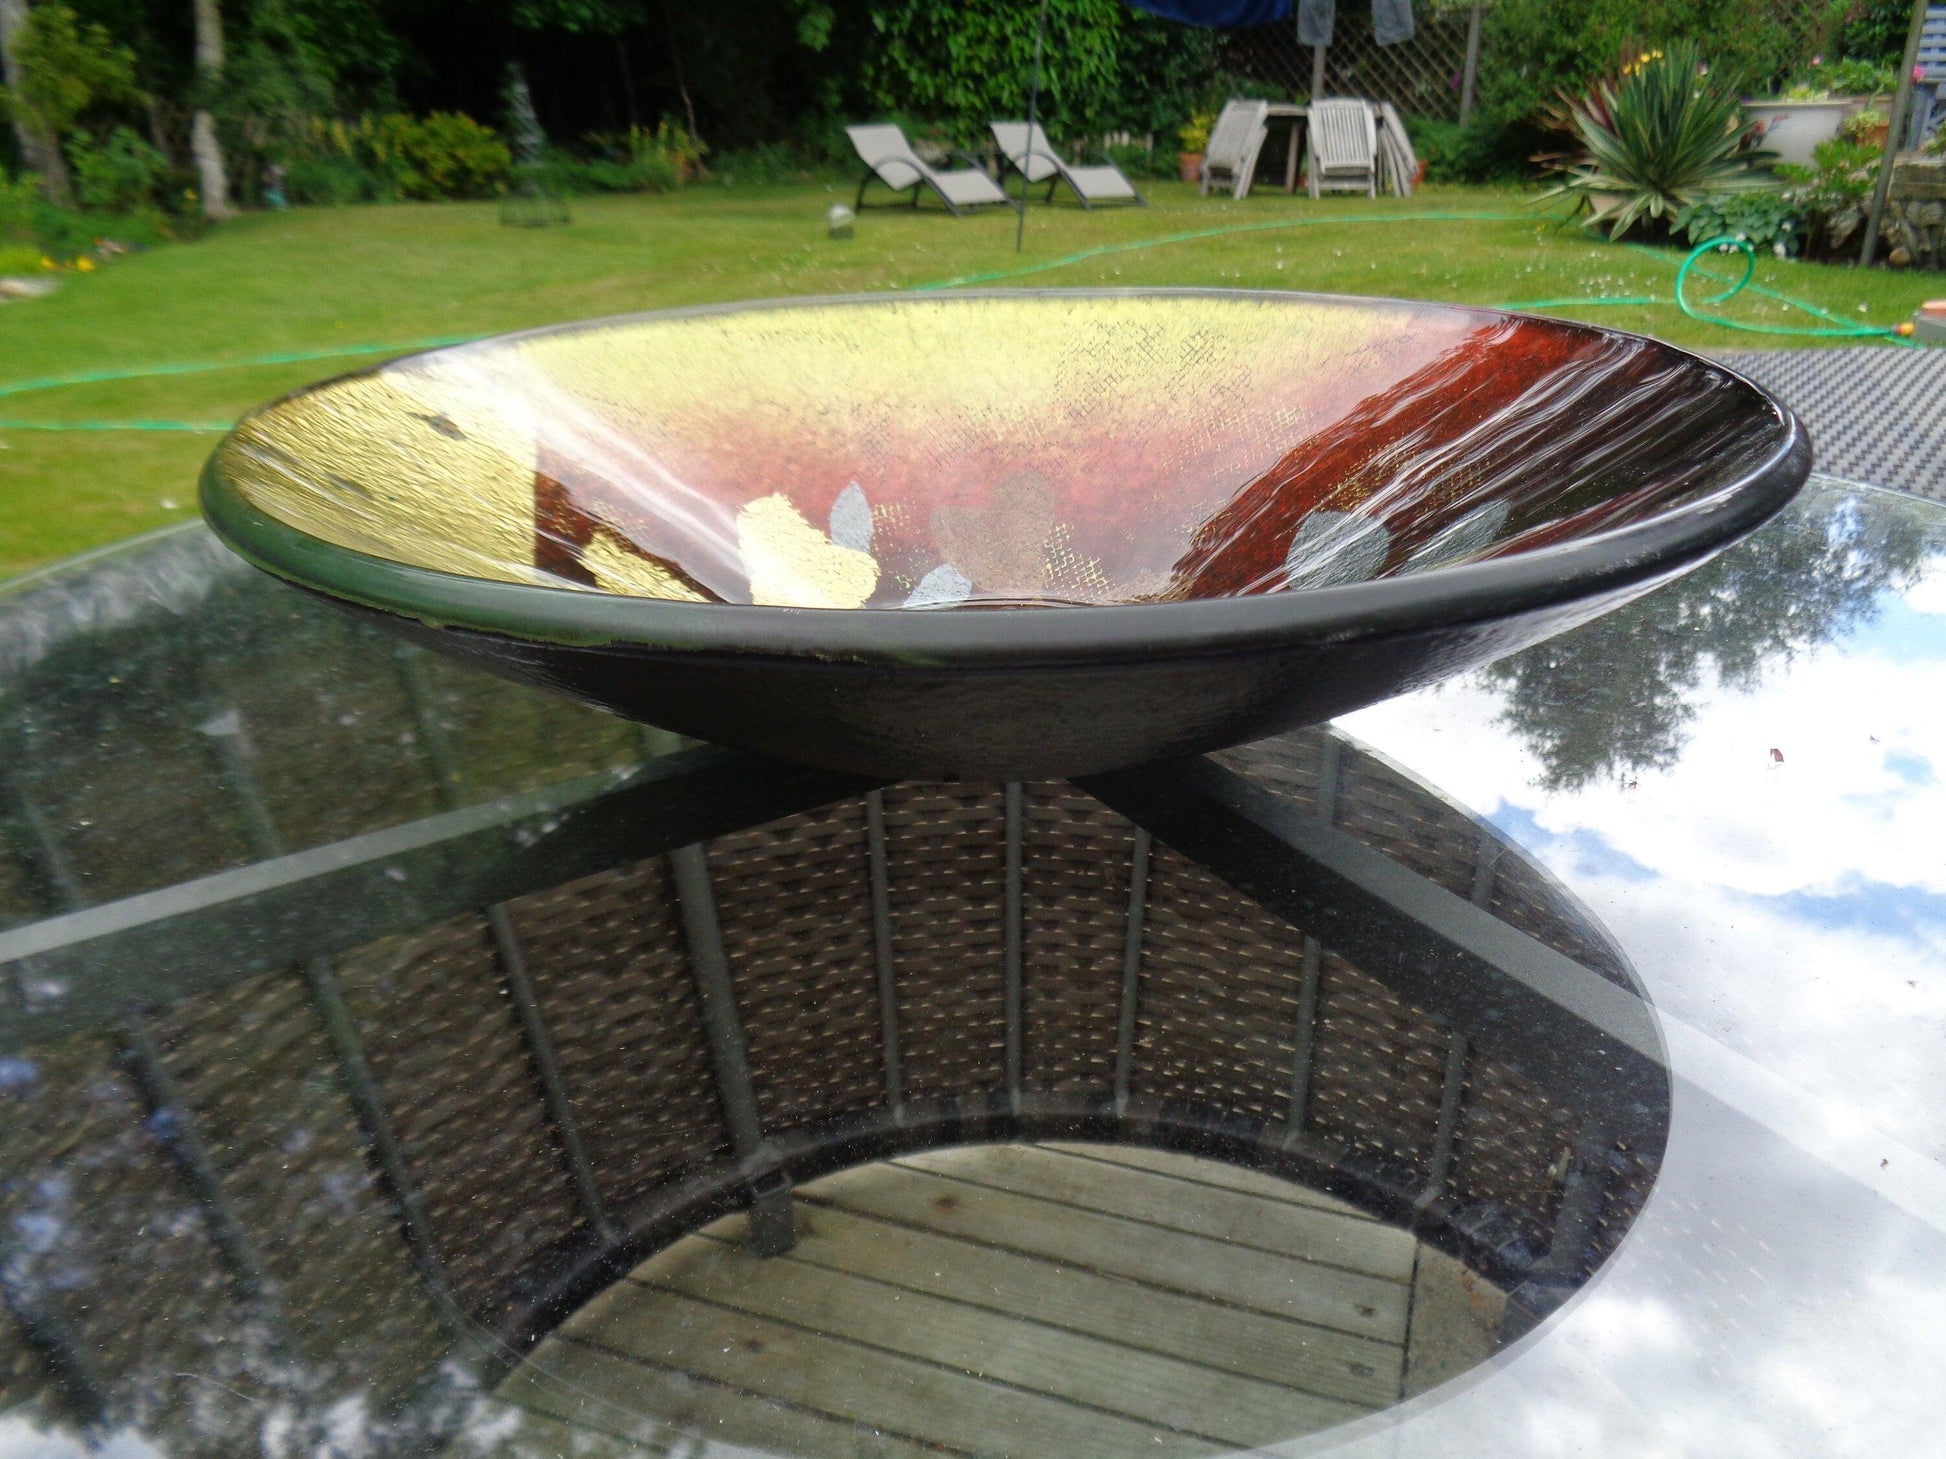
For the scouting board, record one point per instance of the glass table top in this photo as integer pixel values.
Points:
(396, 1061)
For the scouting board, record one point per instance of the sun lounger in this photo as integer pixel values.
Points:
(1234, 142)
(1041, 163)
(889, 158)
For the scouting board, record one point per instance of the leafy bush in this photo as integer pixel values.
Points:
(17, 260)
(331, 180)
(1106, 68)
(642, 159)
(1460, 152)
(1834, 192)
(1664, 136)
(1842, 78)
(1138, 161)
(1875, 30)
(20, 199)
(1535, 50)
(1771, 220)
(119, 174)
(445, 155)
(766, 162)
(66, 234)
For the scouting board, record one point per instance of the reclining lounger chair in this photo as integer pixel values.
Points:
(1040, 163)
(889, 158)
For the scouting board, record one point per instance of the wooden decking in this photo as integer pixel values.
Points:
(1066, 1301)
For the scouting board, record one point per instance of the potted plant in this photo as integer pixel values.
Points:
(1815, 106)
(1653, 142)
(1194, 137)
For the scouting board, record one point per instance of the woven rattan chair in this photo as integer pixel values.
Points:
(449, 1055)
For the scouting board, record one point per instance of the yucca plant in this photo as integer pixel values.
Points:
(1654, 141)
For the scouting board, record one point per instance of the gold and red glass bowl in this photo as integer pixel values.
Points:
(1013, 533)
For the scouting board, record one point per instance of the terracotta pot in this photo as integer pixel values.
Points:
(1419, 173)
(1192, 167)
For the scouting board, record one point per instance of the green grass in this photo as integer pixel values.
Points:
(319, 279)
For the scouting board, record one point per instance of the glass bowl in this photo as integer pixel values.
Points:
(1005, 533)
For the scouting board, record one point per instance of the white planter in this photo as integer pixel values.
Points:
(1792, 129)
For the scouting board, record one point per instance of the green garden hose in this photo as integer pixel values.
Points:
(147, 372)
(1833, 328)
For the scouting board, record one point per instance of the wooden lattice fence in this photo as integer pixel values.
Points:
(1421, 76)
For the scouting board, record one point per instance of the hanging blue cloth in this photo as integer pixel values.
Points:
(1221, 14)
(1391, 19)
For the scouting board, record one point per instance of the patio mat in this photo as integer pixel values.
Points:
(1875, 414)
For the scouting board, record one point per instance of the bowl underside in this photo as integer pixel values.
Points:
(1000, 451)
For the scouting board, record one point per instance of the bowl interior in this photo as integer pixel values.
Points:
(972, 450)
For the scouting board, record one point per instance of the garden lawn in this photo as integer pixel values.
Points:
(327, 279)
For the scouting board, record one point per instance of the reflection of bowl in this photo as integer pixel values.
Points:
(1009, 533)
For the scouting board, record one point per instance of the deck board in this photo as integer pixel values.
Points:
(617, 1400)
(1007, 1300)
(1240, 1217)
(1021, 1353)
(1209, 1172)
(1198, 1266)
(848, 1380)
(1138, 1314)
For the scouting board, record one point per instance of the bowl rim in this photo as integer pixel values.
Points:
(1477, 592)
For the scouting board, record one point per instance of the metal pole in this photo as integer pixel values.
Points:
(1317, 71)
(67, 1360)
(1138, 896)
(772, 1224)
(231, 739)
(1470, 73)
(1894, 134)
(1012, 925)
(1440, 1166)
(888, 988)
(174, 1125)
(1304, 1039)
(1033, 115)
(449, 783)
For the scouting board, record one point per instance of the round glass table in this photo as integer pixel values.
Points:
(397, 1061)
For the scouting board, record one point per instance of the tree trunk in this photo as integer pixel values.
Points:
(39, 148)
(203, 146)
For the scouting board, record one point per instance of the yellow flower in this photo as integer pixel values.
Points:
(48, 263)
(85, 264)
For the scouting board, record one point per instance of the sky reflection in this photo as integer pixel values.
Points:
(1779, 880)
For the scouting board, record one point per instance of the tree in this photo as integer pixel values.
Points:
(39, 149)
(1616, 697)
(203, 145)
(57, 68)
(276, 84)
